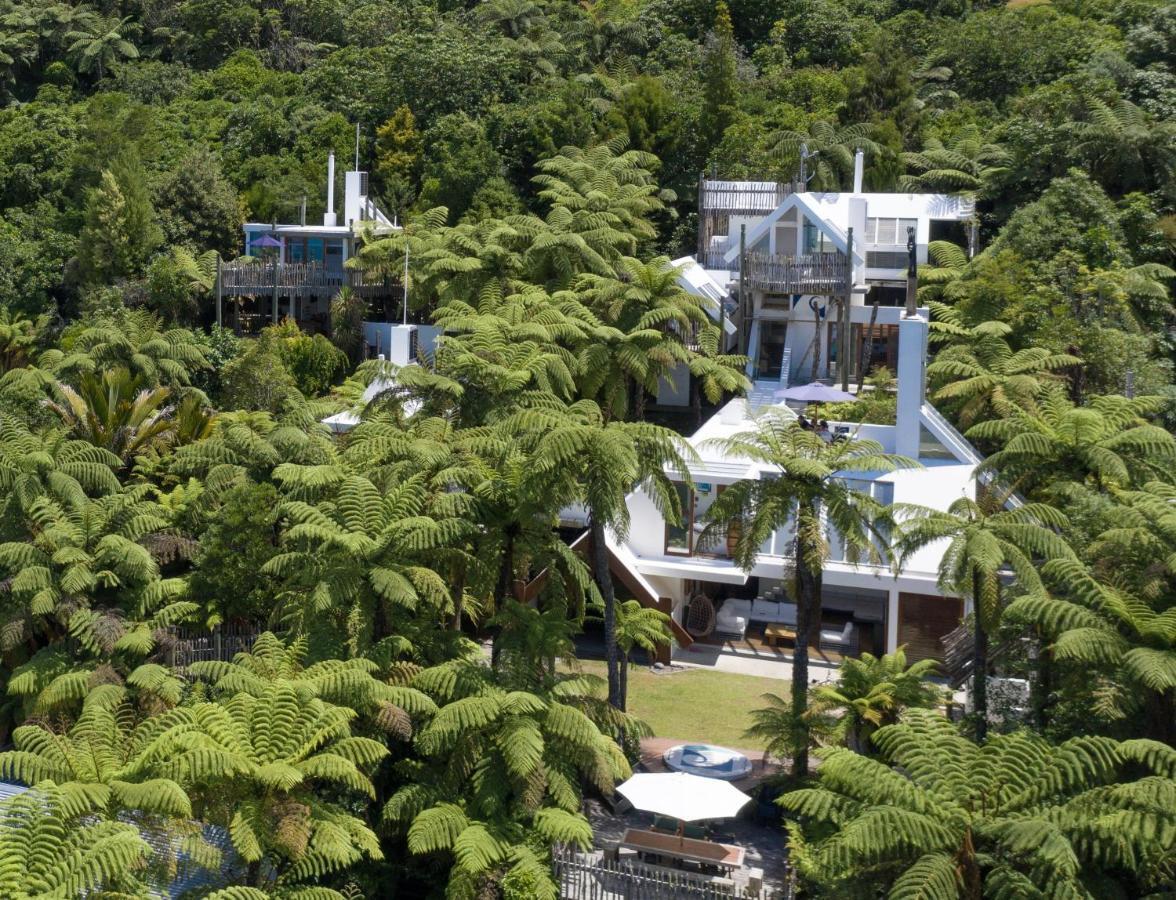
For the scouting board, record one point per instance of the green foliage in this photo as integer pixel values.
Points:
(811, 494)
(120, 231)
(46, 852)
(941, 817)
(313, 361)
(199, 208)
(240, 539)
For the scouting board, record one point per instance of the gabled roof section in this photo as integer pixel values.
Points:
(803, 202)
(694, 279)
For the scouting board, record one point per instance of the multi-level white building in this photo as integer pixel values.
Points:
(802, 257)
(804, 260)
(670, 563)
(294, 269)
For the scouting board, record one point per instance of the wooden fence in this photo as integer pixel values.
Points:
(222, 643)
(813, 273)
(303, 280)
(581, 877)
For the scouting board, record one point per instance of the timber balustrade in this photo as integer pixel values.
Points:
(303, 280)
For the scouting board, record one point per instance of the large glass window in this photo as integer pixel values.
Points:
(678, 533)
(333, 252)
(815, 241)
(314, 250)
(888, 231)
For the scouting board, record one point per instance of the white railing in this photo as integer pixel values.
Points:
(948, 434)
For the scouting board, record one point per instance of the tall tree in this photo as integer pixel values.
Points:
(982, 376)
(101, 43)
(1105, 444)
(811, 495)
(943, 818)
(720, 87)
(607, 458)
(966, 163)
(120, 231)
(986, 542)
(833, 147)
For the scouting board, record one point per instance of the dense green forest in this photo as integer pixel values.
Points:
(161, 479)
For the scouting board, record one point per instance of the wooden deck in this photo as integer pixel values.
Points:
(298, 280)
(814, 273)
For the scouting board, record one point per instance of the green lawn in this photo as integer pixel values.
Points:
(696, 705)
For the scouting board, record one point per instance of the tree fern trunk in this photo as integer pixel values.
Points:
(867, 345)
(458, 598)
(639, 402)
(603, 578)
(979, 665)
(808, 628)
(505, 580)
(624, 681)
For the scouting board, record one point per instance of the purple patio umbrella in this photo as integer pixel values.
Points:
(266, 241)
(815, 393)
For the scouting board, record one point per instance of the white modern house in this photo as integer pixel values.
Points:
(867, 607)
(294, 269)
(784, 262)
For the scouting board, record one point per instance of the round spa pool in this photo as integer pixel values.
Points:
(708, 761)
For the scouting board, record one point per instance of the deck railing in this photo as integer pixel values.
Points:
(812, 273)
(582, 877)
(741, 197)
(259, 279)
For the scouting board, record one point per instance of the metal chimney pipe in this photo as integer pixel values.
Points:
(859, 162)
(329, 215)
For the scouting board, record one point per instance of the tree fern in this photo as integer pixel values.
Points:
(940, 817)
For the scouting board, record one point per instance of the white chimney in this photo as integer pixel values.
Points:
(329, 215)
(912, 377)
(859, 162)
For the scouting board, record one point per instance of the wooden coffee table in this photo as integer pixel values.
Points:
(775, 632)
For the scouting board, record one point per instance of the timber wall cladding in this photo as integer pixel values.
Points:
(923, 621)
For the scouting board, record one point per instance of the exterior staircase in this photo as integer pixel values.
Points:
(763, 390)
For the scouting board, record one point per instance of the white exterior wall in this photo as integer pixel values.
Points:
(394, 341)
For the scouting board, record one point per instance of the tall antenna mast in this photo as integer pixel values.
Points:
(356, 146)
(406, 279)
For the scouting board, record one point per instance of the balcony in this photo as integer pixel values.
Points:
(299, 280)
(812, 273)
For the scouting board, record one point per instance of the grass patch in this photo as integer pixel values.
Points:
(696, 705)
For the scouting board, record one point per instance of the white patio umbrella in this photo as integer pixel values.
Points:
(688, 798)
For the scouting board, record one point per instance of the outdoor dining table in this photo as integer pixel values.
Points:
(725, 856)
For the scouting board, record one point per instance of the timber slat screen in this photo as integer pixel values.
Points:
(741, 197)
(253, 279)
(186, 645)
(813, 273)
(584, 878)
(719, 200)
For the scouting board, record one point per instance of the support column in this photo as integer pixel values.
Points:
(274, 298)
(219, 294)
(844, 354)
(892, 620)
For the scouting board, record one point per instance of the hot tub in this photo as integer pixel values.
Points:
(708, 761)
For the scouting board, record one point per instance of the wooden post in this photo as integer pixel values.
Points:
(912, 285)
(219, 293)
(844, 354)
(274, 299)
(746, 323)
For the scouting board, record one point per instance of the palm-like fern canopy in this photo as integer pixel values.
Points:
(1106, 443)
(940, 817)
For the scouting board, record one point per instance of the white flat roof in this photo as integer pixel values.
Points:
(340, 230)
